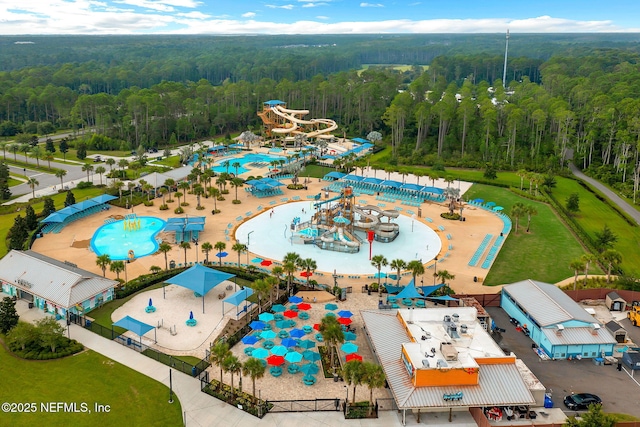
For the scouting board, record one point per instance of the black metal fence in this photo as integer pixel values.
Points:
(386, 404)
(305, 405)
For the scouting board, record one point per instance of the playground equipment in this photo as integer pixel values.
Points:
(131, 222)
(277, 119)
(335, 223)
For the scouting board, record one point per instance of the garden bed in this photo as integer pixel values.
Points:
(237, 398)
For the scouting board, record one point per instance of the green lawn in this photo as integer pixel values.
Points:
(594, 214)
(543, 254)
(89, 377)
(315, 171)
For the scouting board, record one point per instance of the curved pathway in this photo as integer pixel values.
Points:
(622, 204)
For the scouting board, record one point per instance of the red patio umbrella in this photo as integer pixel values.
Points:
(266, 263)
(316, 326)
(354, 356)
(306, 274)
(275, 360)
(304, 306)
(290, 314)
(344, 321)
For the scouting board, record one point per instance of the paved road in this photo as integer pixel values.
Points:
(622, 204)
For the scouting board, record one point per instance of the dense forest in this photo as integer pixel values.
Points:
(563, 93)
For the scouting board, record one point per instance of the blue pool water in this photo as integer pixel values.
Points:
(247, 159)
(309, 232)
(114, 240)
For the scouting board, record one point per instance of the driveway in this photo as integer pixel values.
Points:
(561, 377)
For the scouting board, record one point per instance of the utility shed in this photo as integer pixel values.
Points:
(615, 302)
(618, 332)
(556, 323)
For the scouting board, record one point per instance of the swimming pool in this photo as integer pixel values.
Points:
(247, 160)
(116, 241)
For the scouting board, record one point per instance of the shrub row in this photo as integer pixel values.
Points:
(66, 348)
(145, 281)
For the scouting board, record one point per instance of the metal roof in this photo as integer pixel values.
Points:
(547, 304)
(499, 384)
(578, 336)
(57, 282)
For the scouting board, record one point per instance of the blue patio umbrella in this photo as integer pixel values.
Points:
(498, 208)
(289, 342)
(380, 275)
(260, 353)
(330, 315)
(150, 303)
(311, 356)
(293, 357)
(297, 333)
(282, 324)
(250, 340)
(349, 336)
(307, 344)
(478, 200)
(222, 254)
(256, 325)
(349, 348)
(392, 276)
(265, 317)
(309, 369)
(269, 335)
(257, 260)
(295, 299)
(331, 306)
(341, 220)
(279, 350)
(278, 308)
(490, 204)
(191, 315)
(345, 313)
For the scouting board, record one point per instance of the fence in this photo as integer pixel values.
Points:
(305, 405)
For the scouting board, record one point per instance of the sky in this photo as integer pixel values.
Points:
(21, 17)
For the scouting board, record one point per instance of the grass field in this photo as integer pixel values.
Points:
(543, 254)
(594, 214)
(88, 377)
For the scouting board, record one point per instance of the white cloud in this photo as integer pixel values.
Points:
(194, 15)
(371, 5)
(249, 15)
(324, 18)
(310, 4)
(284, 6)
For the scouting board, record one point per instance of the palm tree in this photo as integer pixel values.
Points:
(236, 165)
(353, 373)
(184, 186)
(186, 246)
(272, 283)
(398, 265)
(110, 161)
(169, 183)
(88, 168)
(517, 210)
(198, 191)
(262, 290)
(255, 370)
(220, 246)
(100, 170)
(577, 265)
(103, 262)
(278, 271)
(48, 156)
(588, 259)
(232, 365)
(154, 269)
(530, 210)
(226, 165)
(416, 268)
(444, 275)
(117, 267)
(60, 173)
(219, 352)
(165, 248)
(215, 193)
(236, 182)
(206, 248)
(309, 265)
(332, 335)
(33, 183)
(118, 185)
(379, 261)
(240, 248)
(611, 258)
(289, 268)
(179, 194)
(373, 378)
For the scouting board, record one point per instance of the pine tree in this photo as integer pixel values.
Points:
(49, 207)
(5, 193)
(31, 221)
(81, 152)
(8, 315)
(70, 200)
(18, 234)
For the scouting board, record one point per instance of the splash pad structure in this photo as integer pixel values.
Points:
(132, 235)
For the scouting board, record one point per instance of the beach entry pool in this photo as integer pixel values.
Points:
(270, 236)
(252, 160)
(131, 237)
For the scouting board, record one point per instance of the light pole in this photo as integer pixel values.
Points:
(249, 238)
(346, 402)
(435, 270)
(195, 242)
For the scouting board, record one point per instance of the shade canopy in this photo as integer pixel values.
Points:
(334, 175)
(444, 298)
(250, 340)
(257, 325)
(428, 290)
(412, 187)
(200, 279)
(410, 291)
(371, 180)
(239, 297)
(355, 178)
(391, 183)
(137, 327)
(295, 299)
(349, 348)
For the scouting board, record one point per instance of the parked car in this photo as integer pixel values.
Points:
(581, 401)
(97, 159)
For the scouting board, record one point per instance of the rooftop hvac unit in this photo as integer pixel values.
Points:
(425, 363)
(456, 317)
(463, 329)
(595, 328)
(447, 318)
(448, 351)
(559, 329)
(441, 363)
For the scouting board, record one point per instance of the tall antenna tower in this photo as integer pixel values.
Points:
(506, 54)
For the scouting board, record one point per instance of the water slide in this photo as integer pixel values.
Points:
(345, 241)
(384, 229)
(291, 116)
(327, 236)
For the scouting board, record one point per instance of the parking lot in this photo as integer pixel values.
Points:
(618, 392)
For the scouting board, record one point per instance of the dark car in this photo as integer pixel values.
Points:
(581, 401)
